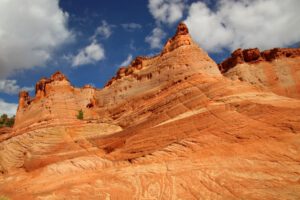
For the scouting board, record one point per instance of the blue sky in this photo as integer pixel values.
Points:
(88, 40)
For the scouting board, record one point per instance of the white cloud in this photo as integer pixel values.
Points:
(11, 87)
(155, 38)
(104, 31)
(8, 108)
(29, 33)
(131, 26)
(166, 11)
(127, 61)
(259, 23)
(132, 45)
(90, 54)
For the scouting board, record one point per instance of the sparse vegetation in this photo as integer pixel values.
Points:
(4, 198)
(7, 121)
(80, 114)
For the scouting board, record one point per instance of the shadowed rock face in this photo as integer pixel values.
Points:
(165, 127)
(24, 99)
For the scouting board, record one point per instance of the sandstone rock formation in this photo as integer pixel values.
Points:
(165, 127)
(4, 132)
(240, 56)
(276, 70)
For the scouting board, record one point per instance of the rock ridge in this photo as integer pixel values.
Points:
(254, 55)
(135, 65)
(181, 38)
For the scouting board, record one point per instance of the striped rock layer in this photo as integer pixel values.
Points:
(172, 126)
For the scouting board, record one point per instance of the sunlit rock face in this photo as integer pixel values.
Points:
(276, 70)
(172, 126)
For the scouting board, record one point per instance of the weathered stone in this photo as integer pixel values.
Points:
(166, 127)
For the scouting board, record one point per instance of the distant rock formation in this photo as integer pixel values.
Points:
(240, 56)
(276, 70)
(171, 126)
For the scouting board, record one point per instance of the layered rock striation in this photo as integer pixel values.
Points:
(170, 126)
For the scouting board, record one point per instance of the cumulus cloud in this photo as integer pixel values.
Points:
(245, 23)
(90, 54)
(8, 108)
(127, 61)
(29, 33)
(104, 31)
(155, 38)
(166, 11)
(11, 87)
(131, 26)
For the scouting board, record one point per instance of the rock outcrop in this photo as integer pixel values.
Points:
(240, 56)
(43, 86)
(165, 127)
(55, 100)
(276, 70)
(181, 38)
(24, 99)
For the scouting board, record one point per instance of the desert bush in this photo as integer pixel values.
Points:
(80, 114)
(7, 121)
(11, 122)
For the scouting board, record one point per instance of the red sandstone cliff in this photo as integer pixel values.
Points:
(165, 127)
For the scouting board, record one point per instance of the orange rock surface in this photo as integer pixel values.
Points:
(276, 70)
(170, 126)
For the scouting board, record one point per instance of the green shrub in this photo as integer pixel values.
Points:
(7, 121)
(11, 122)
(80, 114)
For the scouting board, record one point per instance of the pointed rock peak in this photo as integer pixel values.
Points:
(182, 29)
(58, 76)
(181, 38)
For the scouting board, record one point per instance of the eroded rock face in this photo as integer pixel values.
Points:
(145, 68)
(240, 56)
(55, 100)
(166, 127)
(251, 55)
(24, 99)
(41, 86)
(181, 38)
(135, 66)
(275, 53)
(58, 76)
(276, 70)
